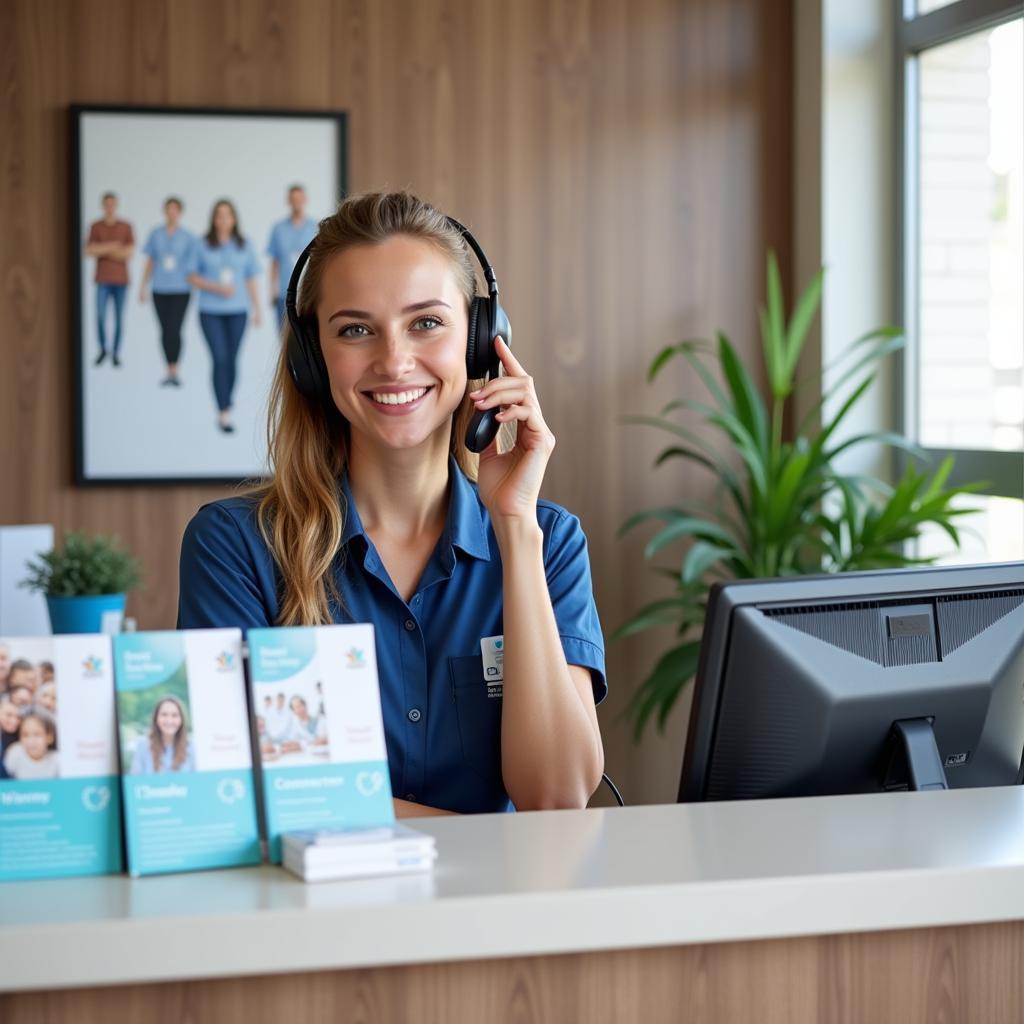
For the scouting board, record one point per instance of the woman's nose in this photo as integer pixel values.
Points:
(394, 356)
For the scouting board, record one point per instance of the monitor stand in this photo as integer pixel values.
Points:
(914, 755)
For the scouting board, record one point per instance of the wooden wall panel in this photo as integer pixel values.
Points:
(625, 162)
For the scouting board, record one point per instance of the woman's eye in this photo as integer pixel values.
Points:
(353, 331)
(428, 323)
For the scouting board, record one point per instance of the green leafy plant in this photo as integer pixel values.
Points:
(781, 506)
(83, 566)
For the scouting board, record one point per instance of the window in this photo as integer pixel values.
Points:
(961, 195)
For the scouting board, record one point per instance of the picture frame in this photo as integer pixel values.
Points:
(172, 380)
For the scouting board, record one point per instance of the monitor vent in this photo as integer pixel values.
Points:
(963, 617)
(851, 627)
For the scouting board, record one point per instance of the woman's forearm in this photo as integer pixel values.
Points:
(408, 809)
(551, 751)
(203, 285)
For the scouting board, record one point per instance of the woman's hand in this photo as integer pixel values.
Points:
(510, 482)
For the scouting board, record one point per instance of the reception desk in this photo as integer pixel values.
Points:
(904, 906)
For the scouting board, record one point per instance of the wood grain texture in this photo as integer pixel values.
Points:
(965, 975)
(625, 162)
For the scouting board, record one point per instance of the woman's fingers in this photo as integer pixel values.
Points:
(507, 395)
(512, 365)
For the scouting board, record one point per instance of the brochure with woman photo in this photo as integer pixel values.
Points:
(60, 807)
(319, 729)
(186, 758)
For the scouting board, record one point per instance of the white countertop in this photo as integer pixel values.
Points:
(551, 882)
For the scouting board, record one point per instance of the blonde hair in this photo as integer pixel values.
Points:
(300, 511)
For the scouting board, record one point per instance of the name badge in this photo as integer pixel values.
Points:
(170, 263)
(227, 275)
(492, 652)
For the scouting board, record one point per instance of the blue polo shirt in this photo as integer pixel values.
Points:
(171, 253)
(226, 264)
(287, 240)
(442, 721)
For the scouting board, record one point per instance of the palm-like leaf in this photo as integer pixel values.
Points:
(782, 507)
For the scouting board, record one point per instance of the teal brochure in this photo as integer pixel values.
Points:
(186, 757)
(320, 732)
(60, 804)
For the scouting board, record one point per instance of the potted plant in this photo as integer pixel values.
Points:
(782, 507)
(86, 583)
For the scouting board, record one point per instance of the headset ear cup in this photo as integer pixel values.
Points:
(476, 364)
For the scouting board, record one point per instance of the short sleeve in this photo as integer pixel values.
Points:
(252, 263)
(272, 246)
(567, 568)
(94, 233)
(222, 581)
(150, 247)
(129, 235)
(192, 258)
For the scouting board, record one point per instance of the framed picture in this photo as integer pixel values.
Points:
(185, 226)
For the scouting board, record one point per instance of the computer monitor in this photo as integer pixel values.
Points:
(859, 682)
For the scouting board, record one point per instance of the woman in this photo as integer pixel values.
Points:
(168, 257)
(166, 748)
(224, 262)
(372, 515)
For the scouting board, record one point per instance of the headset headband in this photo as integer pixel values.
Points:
(292, 292)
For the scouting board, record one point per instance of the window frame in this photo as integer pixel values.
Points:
(1002, 470)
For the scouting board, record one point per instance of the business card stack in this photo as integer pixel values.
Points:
(318, 855)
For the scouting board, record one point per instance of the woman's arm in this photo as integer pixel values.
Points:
(254, 298)
(407, 809)
(205, 285)
(147, 274)
(551, 750)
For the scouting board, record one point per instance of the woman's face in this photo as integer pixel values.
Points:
(10, 717)
(168, 720)
(298, 705)
(393, 327)
(223, 219)
(34, 738)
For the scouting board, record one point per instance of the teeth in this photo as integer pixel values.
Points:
(399, 397)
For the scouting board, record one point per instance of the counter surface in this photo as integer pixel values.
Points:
(541, 883)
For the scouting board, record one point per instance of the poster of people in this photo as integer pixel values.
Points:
(188, 224)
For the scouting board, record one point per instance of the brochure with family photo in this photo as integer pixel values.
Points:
(319, 729)
(60, 806)
(186, 757)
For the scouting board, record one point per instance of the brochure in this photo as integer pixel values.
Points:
(60, 806)
(317, 854)
(186, 757)
(319, 729)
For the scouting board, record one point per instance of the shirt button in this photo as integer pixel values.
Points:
(415, 714)
(410, 624)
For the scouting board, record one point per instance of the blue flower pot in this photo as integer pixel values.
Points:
(96, 613)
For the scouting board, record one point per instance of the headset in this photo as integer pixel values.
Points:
(487, 319)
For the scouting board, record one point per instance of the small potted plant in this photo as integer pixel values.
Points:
(86, 583)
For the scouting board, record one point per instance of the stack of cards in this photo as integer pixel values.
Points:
(318, 856)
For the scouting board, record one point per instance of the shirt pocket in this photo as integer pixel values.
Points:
(479, 718)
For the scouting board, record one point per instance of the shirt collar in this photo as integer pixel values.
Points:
(465, 527)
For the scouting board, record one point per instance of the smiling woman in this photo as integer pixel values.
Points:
(378, 512)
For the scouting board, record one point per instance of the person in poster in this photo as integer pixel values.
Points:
(224, 269)
(168, 252)
(111, 242)
(167, 747)
(288, 238)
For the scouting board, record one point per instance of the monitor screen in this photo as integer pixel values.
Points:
(859, 682)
